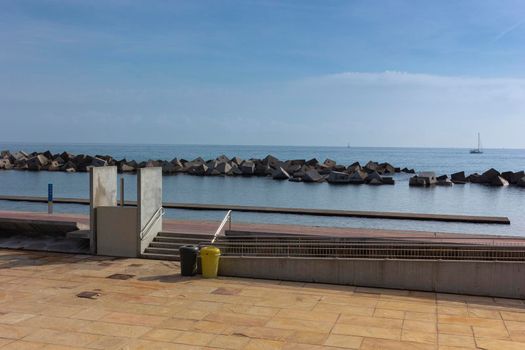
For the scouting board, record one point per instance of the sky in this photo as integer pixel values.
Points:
(263, 72)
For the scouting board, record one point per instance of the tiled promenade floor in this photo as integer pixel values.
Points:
(158, 309)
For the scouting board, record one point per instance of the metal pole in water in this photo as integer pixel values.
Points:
(122, 192)
(50, 198)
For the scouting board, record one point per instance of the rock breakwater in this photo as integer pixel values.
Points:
(296, 170)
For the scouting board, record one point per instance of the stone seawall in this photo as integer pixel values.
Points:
(295, 170)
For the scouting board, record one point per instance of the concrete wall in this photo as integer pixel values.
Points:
(117, 231)
(496, 279)
(149, 200)
(102, 192)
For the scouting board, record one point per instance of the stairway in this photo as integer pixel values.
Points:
(166, 245)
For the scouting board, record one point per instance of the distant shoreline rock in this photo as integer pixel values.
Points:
(294, 170)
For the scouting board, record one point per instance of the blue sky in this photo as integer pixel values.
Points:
(371, 73)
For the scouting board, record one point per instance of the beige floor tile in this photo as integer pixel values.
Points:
(381, 344)
(115, 329)
(456, 340)
(344, 341)
(133, 319)
(420, 326)
(367, 331)
(194, 338)
(70, 339)
(57, 323)
(419, 336)
(346, 309)
(91, 314)
(494, 333)
(495, 344)
(237, 319)
(455, 328)
(229, 342)
(262, 333)
(371, 321)
(23, 345)
(179, 324)
(306, 337)
(262, 344)
(300, 325)
(209, 327)
(14, 317)
(385, 313)
(162, 334)
(484, 313)
(513, 316)
(109, 343)
(420, 316)
(308, 315)
(14, 331)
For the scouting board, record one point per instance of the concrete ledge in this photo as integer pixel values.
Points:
(37, 227)
(494, 279)
(474, 219)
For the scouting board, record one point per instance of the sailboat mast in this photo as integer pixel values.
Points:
(479, 142)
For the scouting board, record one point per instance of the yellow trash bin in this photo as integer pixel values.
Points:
(210, 261)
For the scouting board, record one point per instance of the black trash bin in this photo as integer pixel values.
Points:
(188, 260)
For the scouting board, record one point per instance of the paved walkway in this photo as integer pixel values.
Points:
(158, 309)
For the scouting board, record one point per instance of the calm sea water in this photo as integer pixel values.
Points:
(467, 199)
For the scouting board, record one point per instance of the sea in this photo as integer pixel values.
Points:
(473, 199)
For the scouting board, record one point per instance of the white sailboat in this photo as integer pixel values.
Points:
(477, 150)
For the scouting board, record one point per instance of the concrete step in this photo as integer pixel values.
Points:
(167, 245)
(181, 240)
(157, 256)
(184, 234)
(167, 251)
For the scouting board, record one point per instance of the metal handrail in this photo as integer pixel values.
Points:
(154, 218)
(227, 219)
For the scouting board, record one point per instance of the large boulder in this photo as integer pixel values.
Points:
(5, 154)
(69, 167)
(516, 177)
(247, 168)
(312, 162)
(458, 178)
(37, 162)
(199, 169)
(312, 175)
(329, 163)
(488, 176)
(168, 168)
(223, 168)
(237, 160)
(126, 167)
(53, 166)
(6, 164)
(521, 182)
(371, 166)
(507, 175)
(498, 181)
(374, 178)
(222, 159)
(358, 177)
(423, 179)
(271, 161)
(354, 167)
(444, 182)
(337, 177)
(475, 178)
(21, 155)
(388, 180)
(386, 168)
(98, 162)
(280, 174)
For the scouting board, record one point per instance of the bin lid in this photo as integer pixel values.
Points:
(210, 250)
